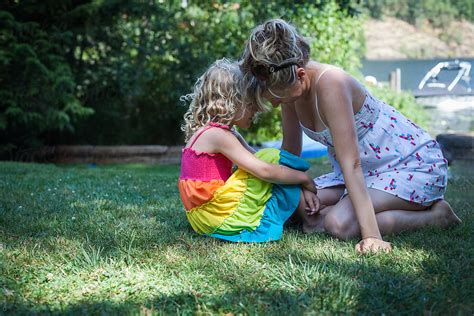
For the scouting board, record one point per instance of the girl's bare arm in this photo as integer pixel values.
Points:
(227, 144)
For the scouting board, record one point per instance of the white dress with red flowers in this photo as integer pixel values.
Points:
(397, 156)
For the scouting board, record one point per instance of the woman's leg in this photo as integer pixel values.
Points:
(332, 195)
(394, 215)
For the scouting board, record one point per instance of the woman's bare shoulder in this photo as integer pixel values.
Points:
(332, 83)
(336, 84)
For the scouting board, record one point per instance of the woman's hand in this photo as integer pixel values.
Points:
(371, 244)
(312, 202)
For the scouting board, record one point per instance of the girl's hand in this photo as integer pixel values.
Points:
(309, 185)
(312, 202)
(371, 244)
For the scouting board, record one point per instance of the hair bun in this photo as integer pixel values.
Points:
(275, 42)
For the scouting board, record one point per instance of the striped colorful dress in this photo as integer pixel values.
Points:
(236, 207)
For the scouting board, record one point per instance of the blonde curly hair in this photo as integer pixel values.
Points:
(219, 95)
(273, 43)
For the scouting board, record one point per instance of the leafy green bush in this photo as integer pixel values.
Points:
(37, 90)
(112, 72)
(191, 38)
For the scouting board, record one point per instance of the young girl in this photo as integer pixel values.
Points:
(388, 174)
(250, 205)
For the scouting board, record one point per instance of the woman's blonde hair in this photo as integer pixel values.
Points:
(219, 95)
(274, 43)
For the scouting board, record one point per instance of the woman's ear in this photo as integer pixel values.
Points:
(301, 73)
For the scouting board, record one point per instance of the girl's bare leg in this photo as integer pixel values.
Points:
(394, 215)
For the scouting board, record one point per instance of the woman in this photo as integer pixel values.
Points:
(388, 174)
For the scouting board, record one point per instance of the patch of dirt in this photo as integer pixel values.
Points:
(392, 38)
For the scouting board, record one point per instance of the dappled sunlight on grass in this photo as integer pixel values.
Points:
(114, 241)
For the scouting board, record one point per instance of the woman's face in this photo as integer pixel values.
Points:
(287, 95)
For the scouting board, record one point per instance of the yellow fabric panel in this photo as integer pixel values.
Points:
(249, 212)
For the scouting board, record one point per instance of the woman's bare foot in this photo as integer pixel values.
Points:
(445, 216)
(314, 224)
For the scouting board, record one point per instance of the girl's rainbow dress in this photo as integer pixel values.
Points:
(237, 207)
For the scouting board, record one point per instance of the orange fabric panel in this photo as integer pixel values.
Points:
(196, 192)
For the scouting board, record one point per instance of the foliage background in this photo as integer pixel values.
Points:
(111, 72)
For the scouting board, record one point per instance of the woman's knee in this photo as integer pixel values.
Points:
(341, 227)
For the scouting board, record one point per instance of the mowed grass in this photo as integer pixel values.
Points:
(115, 240)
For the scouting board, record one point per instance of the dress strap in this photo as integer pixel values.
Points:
(317, 80)
(323, 72)
(223, 126)
(209, 126)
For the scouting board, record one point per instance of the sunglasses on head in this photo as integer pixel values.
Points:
(262, 72)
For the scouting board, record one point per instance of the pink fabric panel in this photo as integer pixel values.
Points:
(204, 166)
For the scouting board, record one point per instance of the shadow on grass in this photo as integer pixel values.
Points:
(88, 217)
(323, 286)
(242, 302)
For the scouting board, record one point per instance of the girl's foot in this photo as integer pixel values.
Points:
(444, 214)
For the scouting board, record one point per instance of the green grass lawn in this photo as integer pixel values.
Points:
(115, 240)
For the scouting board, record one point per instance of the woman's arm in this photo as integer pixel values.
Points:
(335, 104)
(226, 143)
(242, 141)
(292, 136)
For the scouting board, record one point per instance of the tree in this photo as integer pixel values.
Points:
(112, 72)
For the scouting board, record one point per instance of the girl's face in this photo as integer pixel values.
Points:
(245, 120)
